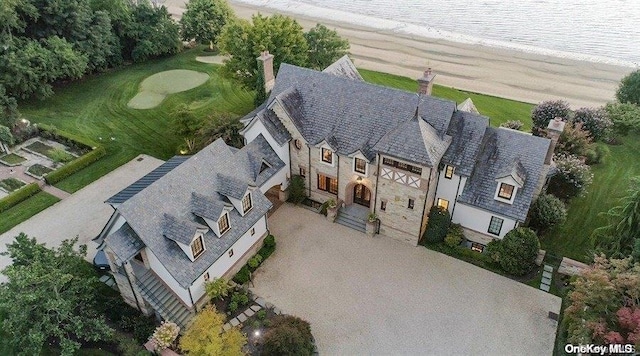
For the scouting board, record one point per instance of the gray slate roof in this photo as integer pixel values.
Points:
(467, 131)
(124, 243)
(499, 150)
(207, 207)
(351, 115)
(172, 195)
(145, 181)
(180, 230)
(345, 68)
(274, 126)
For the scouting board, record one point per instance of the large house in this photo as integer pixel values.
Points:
(370, 148)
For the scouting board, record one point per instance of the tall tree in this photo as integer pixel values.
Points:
(154, 33)
(205, 336)
(282, 36)
(625, 117)
(49, 296)
(204, 20)
(186, 125)
(8, 108)
(325, 46)
(629, 89)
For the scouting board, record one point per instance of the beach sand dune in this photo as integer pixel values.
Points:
(501, 72)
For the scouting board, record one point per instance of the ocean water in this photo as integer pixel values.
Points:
(594, 30)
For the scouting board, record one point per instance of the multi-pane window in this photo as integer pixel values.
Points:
(402, 166)
(197, 247)
(443, 203)
(506, 191)
(360, 165)
(223, 223)
(383, 205)
(327, 156)
(303, 172)
(495, 225)
(448, 171)
(411, 203)
(327, 184)
(477, 247)
(246, 203)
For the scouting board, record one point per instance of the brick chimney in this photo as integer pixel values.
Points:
(265, 64)
(425, 84)
(554, 130)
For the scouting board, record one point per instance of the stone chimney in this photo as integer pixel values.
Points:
(425, 84)
(554, 130)
(265, 64)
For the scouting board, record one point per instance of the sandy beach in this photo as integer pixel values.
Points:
(500, 72)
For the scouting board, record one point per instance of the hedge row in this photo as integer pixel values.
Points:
(75, 165)
(19, 196)
(69, 138)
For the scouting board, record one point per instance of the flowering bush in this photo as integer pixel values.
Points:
(574, 140)
(512, 124)
(595, 121)
(547, 111)
(572, 179)
(165, 335)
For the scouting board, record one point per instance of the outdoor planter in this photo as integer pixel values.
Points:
(332, 210)
(372, 224)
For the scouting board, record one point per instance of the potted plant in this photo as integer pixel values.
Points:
(372, 224)
(332, 209)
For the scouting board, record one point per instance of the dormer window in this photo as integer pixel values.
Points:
(264, 166)
(197, 247)
(505, 191)
(448, 171)
(327, 156)
(246, 203)
(359, 165)
(223, 223)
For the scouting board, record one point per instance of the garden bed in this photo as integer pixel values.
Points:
(11, 184)
(12, 159)
(38, 170)
(55, 154)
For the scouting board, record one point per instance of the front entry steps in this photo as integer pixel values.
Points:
(547, 275)
(353, 216)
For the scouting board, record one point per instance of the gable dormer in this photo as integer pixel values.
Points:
(188, 235)
(508, 181)
(214, 212)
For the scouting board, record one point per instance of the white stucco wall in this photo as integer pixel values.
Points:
(478, 220)
(278, 178)
(224, 263)
(449, 189)
(162, 272)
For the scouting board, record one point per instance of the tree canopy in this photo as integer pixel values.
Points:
(629, 89)
(203, 20)
(49, 296)
(325, 46)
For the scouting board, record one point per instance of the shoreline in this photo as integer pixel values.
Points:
(501, 72)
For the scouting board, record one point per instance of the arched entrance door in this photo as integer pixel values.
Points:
(362, 195)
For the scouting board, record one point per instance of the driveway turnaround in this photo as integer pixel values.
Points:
(83, 213)
(378, 296)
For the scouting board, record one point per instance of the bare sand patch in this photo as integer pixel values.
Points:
(155, 88)
(212, 59)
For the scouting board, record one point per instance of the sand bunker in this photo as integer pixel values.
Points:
(155, 88)
(212, 59)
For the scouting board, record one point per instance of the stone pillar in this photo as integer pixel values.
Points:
(554, 130)
(265, 63)
(425, 84)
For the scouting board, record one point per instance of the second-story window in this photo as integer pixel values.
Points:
(223, 223)
(360, 165)
(246, 203)
(448, 172)
(327, 156)
(506, 191)
(197, 247)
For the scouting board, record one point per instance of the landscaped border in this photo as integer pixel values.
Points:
(18, 196)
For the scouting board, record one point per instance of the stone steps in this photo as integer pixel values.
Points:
(354, 222)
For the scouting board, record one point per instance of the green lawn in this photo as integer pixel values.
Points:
(24, 210)
(610, 182)
(497, 109)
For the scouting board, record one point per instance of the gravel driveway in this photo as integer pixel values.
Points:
(83, 213)
(366, 295)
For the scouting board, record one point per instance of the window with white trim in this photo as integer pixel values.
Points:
(495, 225)
(246, 203)
(448, 171)
(327, 156)
(223, 223)
(443, 203)
(359, 165)
(506, 191)
(197, 247)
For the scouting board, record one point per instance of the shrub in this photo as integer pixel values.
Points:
(268, 246)
(438, 224)
(240, 299)
(255, 261)
(297, 193)
(75, 142)
(18, 196)
(574, 140)
(624, 116)
(512, 124)
(629, 89)
(138, 324)
(243, 276)
(205, 335)
(546, 212)
(455, 235)
(549, 110)
(59, 155)
(261, 314)
(219, 287)
(270, 241)
(597, 155)
(516, 252)
(594, 121)
(165, 335)
(129, 347)
(288, 335)
(233, 306)
(572, 179)
(75, 165)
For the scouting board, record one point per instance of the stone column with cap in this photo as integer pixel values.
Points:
(425, 83)
(554, 130)
(265, 65)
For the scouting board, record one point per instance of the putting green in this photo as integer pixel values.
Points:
(155, 88)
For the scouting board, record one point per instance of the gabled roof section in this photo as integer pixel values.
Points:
(231, 186)
(499, 150)
(124, 243)
(275, 127)
(415, 141)
(345, 68)
(468, 106)
(180, 230)
(515, 170)
(145, 181)
(467, 131)
(209, 207)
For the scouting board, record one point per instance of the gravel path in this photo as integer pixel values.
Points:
(378, 296)
(83, 213)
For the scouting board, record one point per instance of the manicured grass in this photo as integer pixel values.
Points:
(12, 159)
(499, 110)
(39, 147)
(96, 108)
(610, 182)
(11, 184)
(39, 170)
(25, 210)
